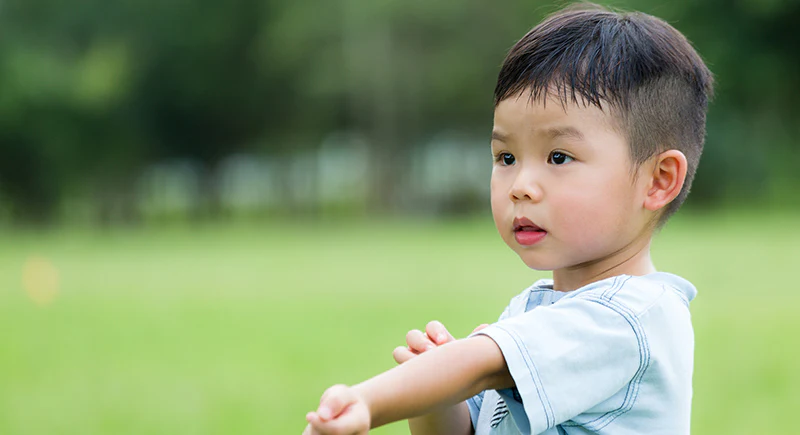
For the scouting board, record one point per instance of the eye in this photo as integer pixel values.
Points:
(558, 158)
(506, 159)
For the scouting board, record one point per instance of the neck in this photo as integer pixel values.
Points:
(633, 259)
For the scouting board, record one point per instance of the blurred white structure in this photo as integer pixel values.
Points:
(448, 174)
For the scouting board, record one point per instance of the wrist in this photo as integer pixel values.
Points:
(362, 394)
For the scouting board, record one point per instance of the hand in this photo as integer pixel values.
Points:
(418, 342)
(341, 412)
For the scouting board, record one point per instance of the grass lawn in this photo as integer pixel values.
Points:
(238, 329)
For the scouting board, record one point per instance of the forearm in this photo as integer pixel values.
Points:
(454, 420)
(437, 379)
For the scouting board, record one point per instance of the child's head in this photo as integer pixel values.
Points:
(575, 87)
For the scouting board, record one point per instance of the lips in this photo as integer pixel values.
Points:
(525, 224)
(526, 232)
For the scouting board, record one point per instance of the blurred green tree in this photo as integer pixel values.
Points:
(95, 91)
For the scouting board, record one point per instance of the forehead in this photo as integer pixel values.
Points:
(520, 115)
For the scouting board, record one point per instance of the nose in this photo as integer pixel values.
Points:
(525, 187)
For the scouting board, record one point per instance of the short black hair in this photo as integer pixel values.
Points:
(650, 76)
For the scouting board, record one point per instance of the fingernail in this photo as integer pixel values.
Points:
(324, 413)
(441, 338)
(429, 346)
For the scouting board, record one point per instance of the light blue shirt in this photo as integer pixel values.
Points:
(613, 357)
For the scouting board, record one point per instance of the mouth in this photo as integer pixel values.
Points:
(526, 232)
(525, 224)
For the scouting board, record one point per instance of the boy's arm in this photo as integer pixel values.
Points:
(438, 378)
(452, 420)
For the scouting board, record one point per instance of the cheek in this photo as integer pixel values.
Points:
(498, 191)
(499, 210)
(501, 205)
(589, 214)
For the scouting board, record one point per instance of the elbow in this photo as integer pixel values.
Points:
(495, 374)
(498, 380)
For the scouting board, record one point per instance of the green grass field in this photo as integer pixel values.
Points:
(238, 329)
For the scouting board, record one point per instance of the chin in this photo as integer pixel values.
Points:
(538, 264)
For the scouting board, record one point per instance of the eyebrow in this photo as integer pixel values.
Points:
(496, 135)
(550, 133)
(567, 132)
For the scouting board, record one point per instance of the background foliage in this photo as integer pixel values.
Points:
(107, 105)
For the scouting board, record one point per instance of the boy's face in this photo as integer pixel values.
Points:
(563, 194)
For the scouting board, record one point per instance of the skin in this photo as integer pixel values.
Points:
(567, 169)
(439, 378)
(451, 420)
(569, 172)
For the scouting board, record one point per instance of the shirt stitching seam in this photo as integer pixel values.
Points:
(633, 389)
(537, 382)
(679, 293)
(613, 292)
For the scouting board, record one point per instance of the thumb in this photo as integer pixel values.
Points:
(335, 400)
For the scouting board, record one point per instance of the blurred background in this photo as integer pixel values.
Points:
(212, 211)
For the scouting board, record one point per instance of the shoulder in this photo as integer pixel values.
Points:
(636, 295)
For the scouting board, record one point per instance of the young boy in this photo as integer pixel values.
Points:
(598, 128)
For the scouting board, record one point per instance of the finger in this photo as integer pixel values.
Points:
(481, 326)
(313, 419)
(330, 391)
(438, 333)
(402, 354)
(353, 421)
(316, 425)
(418, 342)
(335, 400)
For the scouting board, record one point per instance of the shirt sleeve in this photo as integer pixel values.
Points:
(568, 357)
(474, 404)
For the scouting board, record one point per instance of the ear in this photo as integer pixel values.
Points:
(666, 181)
